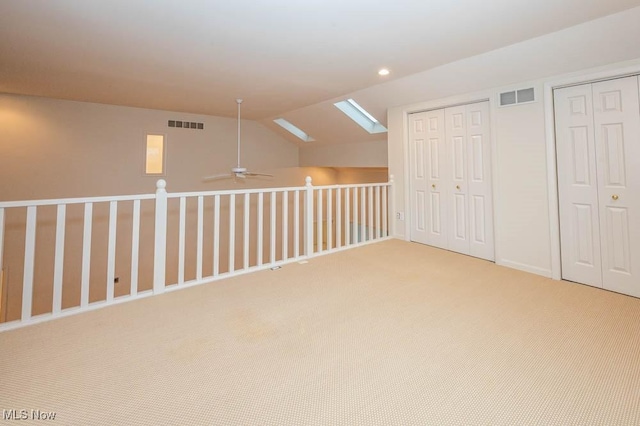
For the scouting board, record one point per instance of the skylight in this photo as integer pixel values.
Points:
(360, 116)
(296, 131)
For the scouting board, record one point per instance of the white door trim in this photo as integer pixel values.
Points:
(552, 173)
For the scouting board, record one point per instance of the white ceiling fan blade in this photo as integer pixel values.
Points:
(258, 174)
(216, 177)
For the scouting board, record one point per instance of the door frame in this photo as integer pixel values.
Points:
(552, 166)
(473, 98)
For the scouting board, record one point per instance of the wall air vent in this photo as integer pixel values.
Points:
(186, 124)
(515, 97)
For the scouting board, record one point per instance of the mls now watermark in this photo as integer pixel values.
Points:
(28, 415)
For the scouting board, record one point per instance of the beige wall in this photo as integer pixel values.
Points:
(53, 148)
(361, 154)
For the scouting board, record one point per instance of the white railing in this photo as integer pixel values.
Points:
(196, 237)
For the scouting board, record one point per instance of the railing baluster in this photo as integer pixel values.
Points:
(363, 214)
(216, 235)
(232, 232)
(135, 247)
(319, 233)
(338, 218)
(378, 232)
(245, 246)
(200, 238)
(260, 226)
(354, 226)
(347, 217)
(86, 254)
(285, 225)
(58, 261)
(160, 243)
(370, 224)
(181, 238)
(296, 224)
(272, 251)
(308, 217)
(329, 219)
(29, 262)
(1, 256)
(384, 211)
(111, 250)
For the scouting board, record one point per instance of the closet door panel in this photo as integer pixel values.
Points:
(578, 186)
(481, 242)
(456, 136)
(617, 139)
(437, 176)
(418, 179)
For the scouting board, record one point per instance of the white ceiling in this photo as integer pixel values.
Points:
(281, 56)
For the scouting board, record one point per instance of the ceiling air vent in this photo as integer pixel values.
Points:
(522, 96)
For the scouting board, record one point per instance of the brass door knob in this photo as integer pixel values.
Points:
(433, 185)
(458, 187)
(615, 197)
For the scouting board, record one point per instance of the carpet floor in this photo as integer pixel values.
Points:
(392, 333)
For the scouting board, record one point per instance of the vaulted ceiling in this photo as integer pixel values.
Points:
(281, 56)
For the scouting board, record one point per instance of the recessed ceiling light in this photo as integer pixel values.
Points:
(383, 71)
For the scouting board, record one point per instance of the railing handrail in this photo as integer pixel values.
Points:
(66, 201)
(108, 198)
(352, 185)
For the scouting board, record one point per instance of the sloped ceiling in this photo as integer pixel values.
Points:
(284, 57)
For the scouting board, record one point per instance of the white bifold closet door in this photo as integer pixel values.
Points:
(598, 152)
(450, 181)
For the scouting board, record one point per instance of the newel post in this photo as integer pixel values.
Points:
(160, 245)
(308, 217)
(392, 205)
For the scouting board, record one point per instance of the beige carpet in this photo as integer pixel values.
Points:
(388, 334)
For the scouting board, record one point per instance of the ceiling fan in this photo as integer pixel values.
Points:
(237, 172)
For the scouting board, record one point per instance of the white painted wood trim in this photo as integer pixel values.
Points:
(58, 261)
(135, 247)
(86, 255)
(216, 235)
(182, 223)
(111, 250)
(319, 236)
(160, 246)
(308, 217)
(354, 226)
(245, 232)
(338, 217)
(29, 258)
(260, 256)
(384, 213)
(52, 202)
(370, 220)
(272, 229)
(296, 224)
(232, 232)
(363, 215)
(285, 225)
(378, 231)
(347, 216)
(329, 219)
(200, 237)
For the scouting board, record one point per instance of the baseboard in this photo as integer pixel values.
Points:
(524, 267)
